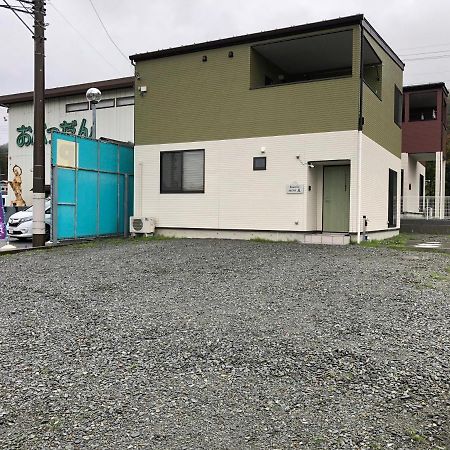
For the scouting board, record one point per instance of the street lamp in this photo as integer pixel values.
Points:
(93, 95)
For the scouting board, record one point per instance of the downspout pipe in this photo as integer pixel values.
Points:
(360, 131)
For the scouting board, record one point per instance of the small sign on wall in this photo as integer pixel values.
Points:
(295, 188)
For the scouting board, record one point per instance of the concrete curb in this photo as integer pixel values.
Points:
(46, 247)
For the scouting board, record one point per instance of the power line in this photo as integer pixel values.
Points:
(423, 58)
(82, 37)
(27, 8)
(426, 53)
(106, 31)
(424, 46)
(15, 8)
(17, 15)
(438, 72)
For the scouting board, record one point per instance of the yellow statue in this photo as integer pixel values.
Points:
(16, 186)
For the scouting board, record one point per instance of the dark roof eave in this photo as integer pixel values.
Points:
(249, 38)
(357, 19)
(383, 44)
(424, 87)
(75, 89)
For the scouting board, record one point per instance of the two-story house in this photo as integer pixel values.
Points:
(284, 134)
(424, 140)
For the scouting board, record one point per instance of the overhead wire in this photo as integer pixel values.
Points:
(424, 58)
(423, 46)
(17, 15)
(106, 31)
(27, 8)
(82, 37)
(429, 73)
(425, 53)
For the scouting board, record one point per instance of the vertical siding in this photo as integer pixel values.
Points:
(189, 100)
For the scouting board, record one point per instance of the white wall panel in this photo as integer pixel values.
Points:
(412, 170)
(236, 197)
(376, 162)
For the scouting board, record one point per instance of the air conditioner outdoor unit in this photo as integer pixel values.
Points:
(142, 225)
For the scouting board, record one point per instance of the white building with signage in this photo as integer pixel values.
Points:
(66, 110)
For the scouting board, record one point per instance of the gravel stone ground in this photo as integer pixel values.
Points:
(187, 344)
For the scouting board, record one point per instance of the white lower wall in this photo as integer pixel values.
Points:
(412, 169)
(238, 198)
(376, 162)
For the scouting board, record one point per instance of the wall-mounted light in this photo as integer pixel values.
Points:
(205, 58)
(263, 150)
(230, 54)
(308, 164)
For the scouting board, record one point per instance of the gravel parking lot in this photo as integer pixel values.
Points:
(186, 344)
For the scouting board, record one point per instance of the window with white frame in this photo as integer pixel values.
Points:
(182, 172)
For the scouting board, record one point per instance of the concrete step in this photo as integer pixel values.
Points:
(327, 239)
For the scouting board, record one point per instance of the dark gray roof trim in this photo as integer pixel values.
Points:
(382, 43)
(357, 19)
(426, 87)
(75, 89)
(250, 38)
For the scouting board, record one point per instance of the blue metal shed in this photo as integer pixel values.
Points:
(92, 187)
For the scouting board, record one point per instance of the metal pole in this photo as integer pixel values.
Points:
(54, 172)
(94, 120)
(39, 120)
(126, 217)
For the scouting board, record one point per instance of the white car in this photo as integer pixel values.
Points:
(20, 224)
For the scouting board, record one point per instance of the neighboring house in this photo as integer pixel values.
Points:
(4, 168)
(424, 140)
(292, 131)
(67, 110)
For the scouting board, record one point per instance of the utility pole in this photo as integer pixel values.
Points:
(39, 123)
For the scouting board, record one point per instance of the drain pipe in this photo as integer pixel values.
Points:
(360, 131)
(365, 223)
(358, 223)
(141, 186)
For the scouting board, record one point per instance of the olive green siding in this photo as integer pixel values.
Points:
(378, 112)
(190, 100)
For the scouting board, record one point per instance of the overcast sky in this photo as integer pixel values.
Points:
(78, 50)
